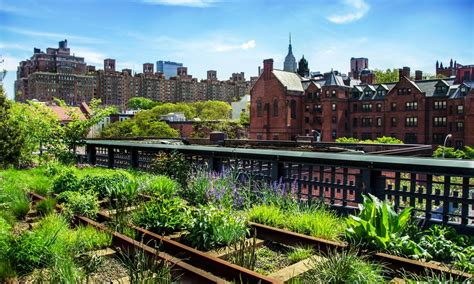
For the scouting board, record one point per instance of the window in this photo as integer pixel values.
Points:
(334, 119)
(411, 105)
(317, 120)
(366, 122)
(440, 105)
(354, 122)
(333, 107)
(275, 108)
(459, 126)
(393, 122)
(276, 137)
(438, 138)
(410, 138)
(367, 107)
(354, 108)
(259, 107)
(393, 107)
(293, 108)
(334, 134)
(366, 136)
(306, 108)
(379, 107)
(259, 137)
(333, 93)
(317, 108)
(463, 91)
(309, 96)
(368, 93)
(411, 121)
(439, 121)
(379, 121)
(459, 144)
(460, 109)
(306, 119)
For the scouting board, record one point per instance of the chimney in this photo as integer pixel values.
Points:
(418, 75)
(406, 72)
(267, 68)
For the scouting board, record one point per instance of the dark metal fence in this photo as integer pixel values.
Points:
(440, 191)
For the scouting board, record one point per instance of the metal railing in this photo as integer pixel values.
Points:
(440, 191)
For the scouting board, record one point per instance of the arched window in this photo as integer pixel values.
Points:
(293, 108)
(259, 107)
(275, 107)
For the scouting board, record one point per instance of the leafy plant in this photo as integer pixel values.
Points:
(212, 228)
(378, 225)
(79, 203)
(173, 165)
(103, 184)
(66, 181)
(344, 267)
(46, 206)
(163, 216)
(162, 186)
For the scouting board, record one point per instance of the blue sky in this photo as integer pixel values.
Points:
(233, 36)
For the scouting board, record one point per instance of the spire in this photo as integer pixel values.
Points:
(451, 63)
(290, 61)
(289, 46)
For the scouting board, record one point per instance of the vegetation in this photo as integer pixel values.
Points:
(344, 267)
(233, 129)
(451, 153)
(379, 140)
(162, 186)
(79, 203)
(299, 253)
(140, 103)
(386, 76)
(46, 207)
(173, 165)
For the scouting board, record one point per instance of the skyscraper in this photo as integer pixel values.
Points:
(290, 61)
(168, 68)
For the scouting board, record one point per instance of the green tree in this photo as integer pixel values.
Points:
(386, 76)
(140, 103)
(11, 139)
(244, 118)
(212, 110)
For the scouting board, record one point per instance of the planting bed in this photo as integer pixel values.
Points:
(200, 227)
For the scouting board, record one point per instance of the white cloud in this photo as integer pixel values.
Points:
(187, 3)
(356, 10)
(57, 36)
(228, 47)
(14, 46)
(90, 56)
(10, 63)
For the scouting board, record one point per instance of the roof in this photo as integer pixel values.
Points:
(429, 86)
(334, 80)
(290, 80)
(63, 113)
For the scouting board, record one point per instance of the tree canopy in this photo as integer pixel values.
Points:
(140, 103)
(386, 76)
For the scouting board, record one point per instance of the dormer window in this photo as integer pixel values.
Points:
(368, 93)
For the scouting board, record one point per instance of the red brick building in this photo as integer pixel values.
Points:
(284, 105)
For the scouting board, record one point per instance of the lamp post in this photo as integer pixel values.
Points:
(446, 140)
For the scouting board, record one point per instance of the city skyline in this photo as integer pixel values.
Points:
(235, 36)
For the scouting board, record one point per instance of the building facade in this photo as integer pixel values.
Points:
(168, 68)
(357, 65)
(285, 105)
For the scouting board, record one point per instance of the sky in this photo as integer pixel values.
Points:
(237, 35)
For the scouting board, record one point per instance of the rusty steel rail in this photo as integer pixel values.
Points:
(179, 269)
(394, 262)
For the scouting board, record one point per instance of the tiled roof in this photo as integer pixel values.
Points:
(334, 80)
(290, 80)
(63, 113)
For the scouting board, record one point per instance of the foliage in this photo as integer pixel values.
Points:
(139, 127)
(386, 76)
(379, 226)
(344, 267)
(212, 228)
(83, 203)
(140, 103)
(12, 140)
(299, 253)
(103, 184)
(270, 215)
(162, 186)
(123, 193)
(212, 110)
(244, 254)
(244, 118)
(233, 129)
(66, 181)
(6, 239)
(379, 140)
(46, 207)
(451, 153)
(173, 165)
(163, 216)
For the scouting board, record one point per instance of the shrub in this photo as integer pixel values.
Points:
(79, 203)
(46, 207)
(344, 267)
(173, 165)
(163, 216)
(67, 181)
(379, 226)
(162, 186)
(102, 183)
(123, 193)
(212, 228)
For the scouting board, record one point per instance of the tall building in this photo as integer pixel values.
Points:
(284, 106)
(464, 72)
(357, 65)
(303, 69)
(54, 74)
(168, 68)
(290, 62)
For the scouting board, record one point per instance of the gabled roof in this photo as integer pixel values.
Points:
(290, 80)
(334, 80)
(442, 82)
(382, 87)
(429, 87)
(307, 83)
(370, 87)
(357, 89)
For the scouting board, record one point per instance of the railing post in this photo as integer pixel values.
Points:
(371, 181)
(278, 170)
(110, 160)
(214, 164)
(91, 154)
(134, 158)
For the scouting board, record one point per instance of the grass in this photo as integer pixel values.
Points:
(298, 254)
(162, 186)
(343, 267)
(271, 258)
(46, 207)
(270, 215)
